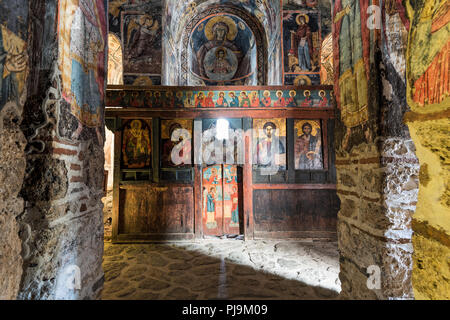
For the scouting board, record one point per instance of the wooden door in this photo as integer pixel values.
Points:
(231, 201)
(220, 200)
(212, 200)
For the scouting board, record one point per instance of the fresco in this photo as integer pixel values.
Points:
(302, 79)
(138, 26)
(351, 50)
(172, 97)
(395, 33)
(326, 61)
(141, 36)
(230, 199)
(269, 143)
(220, 205)
(176, 143)
(82, 63)
(212, 209)
(223, 48)
(136, 144)
(301, 45)
(428, 71)
(308, 145)
(142, 81)
(115, 64)
(13, 68)
(178, 14)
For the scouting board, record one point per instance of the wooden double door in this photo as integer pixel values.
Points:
(221, 200)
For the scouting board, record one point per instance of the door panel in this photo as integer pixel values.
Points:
(230, 200)
(220, 183)
(212, 200)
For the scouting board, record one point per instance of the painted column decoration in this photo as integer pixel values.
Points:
(351, 51)
(82, 63)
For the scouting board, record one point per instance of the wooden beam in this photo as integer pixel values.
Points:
(292, 186)
(198, 226)
(259, 113)
(218, 88)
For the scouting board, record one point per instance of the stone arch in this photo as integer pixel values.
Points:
(252, 22)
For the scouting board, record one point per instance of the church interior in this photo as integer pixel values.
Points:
(224, 149)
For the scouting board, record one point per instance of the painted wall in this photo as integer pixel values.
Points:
(302, 60)
(377, 169)
(428, 91)
(179, 13)
(13, 83)
(223, 52)
(61, 225)
(138, 26)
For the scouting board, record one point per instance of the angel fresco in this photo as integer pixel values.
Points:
(136, 147)
(142, 44)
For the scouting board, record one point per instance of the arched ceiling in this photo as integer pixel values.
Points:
(178, 14)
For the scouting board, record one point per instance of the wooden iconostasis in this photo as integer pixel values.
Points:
(271, 175)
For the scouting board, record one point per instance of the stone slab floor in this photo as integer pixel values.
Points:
(222, 269)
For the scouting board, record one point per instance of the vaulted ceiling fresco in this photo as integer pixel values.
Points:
(179, 14)
(222, 51)
(166, 41)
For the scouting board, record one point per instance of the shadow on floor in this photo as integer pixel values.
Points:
(168, 272)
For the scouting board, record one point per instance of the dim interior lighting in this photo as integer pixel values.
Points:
(222, 129)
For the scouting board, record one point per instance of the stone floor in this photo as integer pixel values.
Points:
(222, 269)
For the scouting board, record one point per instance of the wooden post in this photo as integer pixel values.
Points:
(248, 189)
(290, 143)
(325, 143)
(116, 179)
(155, 149)
(198, 194)
(198, 200)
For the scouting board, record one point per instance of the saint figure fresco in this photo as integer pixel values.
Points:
(301, 43)
(176, 142)
(270, 147)
(308, 145)
(136, 146)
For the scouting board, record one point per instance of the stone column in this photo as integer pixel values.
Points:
(13, 74)
(62, 225)
(377, 170)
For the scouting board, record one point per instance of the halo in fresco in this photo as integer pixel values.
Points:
(232, 30)
(220, 64)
